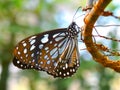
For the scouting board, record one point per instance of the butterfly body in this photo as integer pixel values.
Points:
(55, 52)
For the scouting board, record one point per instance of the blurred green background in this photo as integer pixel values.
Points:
(22, 18)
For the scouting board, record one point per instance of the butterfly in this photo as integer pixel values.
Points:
(55, 52)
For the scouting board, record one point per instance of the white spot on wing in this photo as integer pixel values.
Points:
(38, 52)
(18, 62)
(63, 68)
(73, 70)
(32, 55)
(46, 48)
(58, 38)
(66, 65)
(23, 41)
(24, 44)
(17, 48)
(50, 42)
(32, 41)
(25, 50)
(55, 55)
(26, 55)
(31, 66)
(46, 56)
(33, 60)
(40, 46)
(55, 44)
(53, 51)
(62, 34)
(70, 70)
(60, 73)
(41, 62)
(68, 73)
(21, 57)
(19, 53)
(64, 74)
(45, 38)
(48, 62)
(32, 47)
(32, 38)
(21, 65)
(55, 35)
(55, 64)
(29, 62)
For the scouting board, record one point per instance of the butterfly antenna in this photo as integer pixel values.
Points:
(74, 18)
(76, 13)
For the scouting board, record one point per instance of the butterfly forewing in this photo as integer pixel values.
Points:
(55, 52)
(34, 49)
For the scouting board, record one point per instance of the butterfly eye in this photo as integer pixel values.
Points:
(55, 52)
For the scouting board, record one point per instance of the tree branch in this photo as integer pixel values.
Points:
(90, 20)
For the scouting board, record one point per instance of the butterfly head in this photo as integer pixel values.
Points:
(73, 29)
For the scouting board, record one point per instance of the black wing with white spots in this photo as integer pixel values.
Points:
(55, 52)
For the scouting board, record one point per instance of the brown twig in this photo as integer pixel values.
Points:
(89, 20)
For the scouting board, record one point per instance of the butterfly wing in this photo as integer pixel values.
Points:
(31, 51)
(53, 51)
(67, 66)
